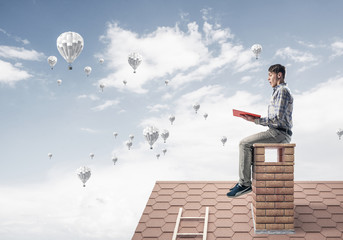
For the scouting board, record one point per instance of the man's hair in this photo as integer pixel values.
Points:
(276, 68)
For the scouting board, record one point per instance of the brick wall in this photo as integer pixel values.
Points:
(273, 189)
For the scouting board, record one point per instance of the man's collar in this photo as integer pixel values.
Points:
(281, 84)
(278, 86)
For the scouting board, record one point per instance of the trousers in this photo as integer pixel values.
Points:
(246, 150)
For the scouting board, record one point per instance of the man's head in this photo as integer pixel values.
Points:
(276, 74)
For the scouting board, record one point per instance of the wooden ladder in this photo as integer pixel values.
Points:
(179, 218)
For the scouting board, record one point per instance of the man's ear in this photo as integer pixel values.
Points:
(279, 75)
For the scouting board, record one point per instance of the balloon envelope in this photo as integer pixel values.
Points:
(340, 133)
(165, 135)
(134, 60)
(52, 60)
(196, 107)
(151, 134)
(70, 45)
(84, 173)
(88, 70)
(128, 144)
(256, 49)
(171, 119)
(223, 140)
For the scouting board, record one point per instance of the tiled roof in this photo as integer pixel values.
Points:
(318, 211)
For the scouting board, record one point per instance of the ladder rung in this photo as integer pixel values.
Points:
(190, 234)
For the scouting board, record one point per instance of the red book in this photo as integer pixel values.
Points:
(239, 113)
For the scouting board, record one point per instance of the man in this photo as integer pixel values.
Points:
(279, 121)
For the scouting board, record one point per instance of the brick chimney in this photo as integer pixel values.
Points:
(273, 189)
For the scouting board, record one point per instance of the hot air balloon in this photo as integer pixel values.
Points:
(102, 86)
(91, 155)
(70, 45)
(125, 82)
(50, 155)
(115, 134)
(114, 159)
(340, 133)
(88, 70)
(101, 60)
(151, 134)
(223, 140)
(134, 60)
(131, 137)
(164, 151)
(166, 82)
(196, 107)
(52, 60)
(84, 174)
(158, 155)
(171, 119)
(205, 115)
(128, 144)
(59, 82)
(165, 135)
(256, 49)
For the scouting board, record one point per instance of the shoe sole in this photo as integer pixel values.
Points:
(248, 190)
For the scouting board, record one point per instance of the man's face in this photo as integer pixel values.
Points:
(272, 78)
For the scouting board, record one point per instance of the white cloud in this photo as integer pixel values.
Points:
(20, 53)
(91, 97)
(11, 74)
(107, 104)
(317, 107)
(245, 79)
(16, 38)
(311, 45)
(89, 130)
(157, 107)
(296, 55)
(169, 52)
(337, 48)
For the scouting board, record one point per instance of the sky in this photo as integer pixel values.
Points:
(203, 48)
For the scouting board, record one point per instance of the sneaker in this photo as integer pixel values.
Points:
(238, 190)
(234, 186)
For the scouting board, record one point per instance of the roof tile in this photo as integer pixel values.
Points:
(326, 223)
(321, 214)
(314, 236)
(224, 232)
(178, 202)
(163, 198)
(311, 227)
(152, 232)
(181, 188)
(331, 232)
(240, 218)
(224, 222)
(210, 188)
(323, 188)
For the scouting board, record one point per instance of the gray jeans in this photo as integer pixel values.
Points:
(246, 151)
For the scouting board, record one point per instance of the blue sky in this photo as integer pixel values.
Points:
(203, 49)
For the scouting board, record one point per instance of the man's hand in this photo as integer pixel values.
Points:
(248, 118)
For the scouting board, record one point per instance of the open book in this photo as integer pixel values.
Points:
(239, 113)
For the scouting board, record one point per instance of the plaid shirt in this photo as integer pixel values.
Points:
(280, 109)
